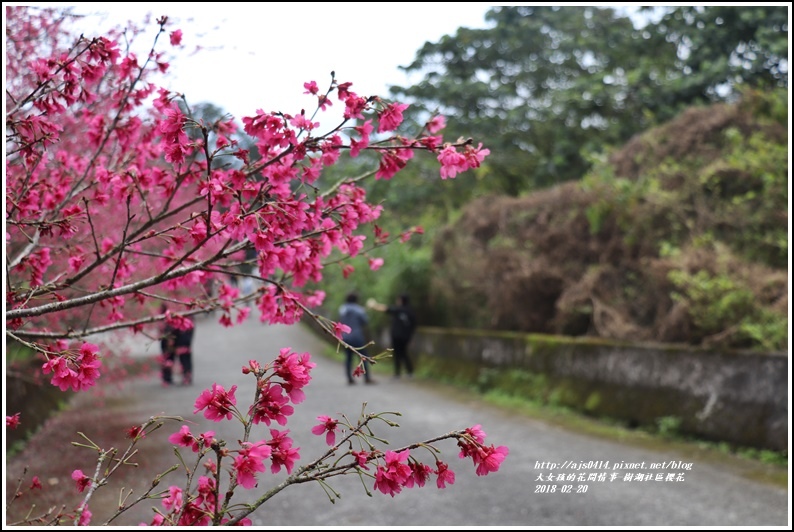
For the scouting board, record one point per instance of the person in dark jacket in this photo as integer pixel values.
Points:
(183, 349)
(355, 316)
(403, 325)
(176, 344)
(167, 354)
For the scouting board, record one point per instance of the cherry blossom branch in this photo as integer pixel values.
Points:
(347, 180)
(35, 93)
(34, 241)
(120, 291)
(123, 506)
(307, 473)
(126, 228)
(171, 273)
(123, 103)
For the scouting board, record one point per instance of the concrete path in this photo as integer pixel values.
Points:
(519, 495)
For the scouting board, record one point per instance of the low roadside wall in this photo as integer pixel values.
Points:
(734, 396)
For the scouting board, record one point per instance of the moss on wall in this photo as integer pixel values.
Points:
(639, 384)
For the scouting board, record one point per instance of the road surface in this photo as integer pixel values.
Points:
(684, 492)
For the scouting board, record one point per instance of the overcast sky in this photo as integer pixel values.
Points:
(258, 55)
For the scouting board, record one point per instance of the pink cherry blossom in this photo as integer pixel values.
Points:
(157, 520)
(431, 143)
(488, 459)
(476, 433)
(445, 475)
(136, 432)
(364, 131)
(452, 162)
(118, 190)
(311, 87)
(279, 439)
(88, 364)
(75, 262)
(183, 438)
(354, 106)
(176, 37)
(323, 102)
(436, 124)
(419, 474)
(250, 461)
(175, 139)
(340, 329)
(329, 426)
(85, 517)
(271, 406)
(77, 371)
(173, 501)
(475, 156)
(347, 269)
(204, 440)
(210, 466)
(391, 162)
(467, 448)
(206, 493)
(362, 457)
(394, 474)
(194, 515)
(81, 480)
(12, 422)
(284, 456)
(293, 368)
(301, 122)
(391, 117)
(217, 403)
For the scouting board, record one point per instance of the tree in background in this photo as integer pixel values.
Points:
(720, 48)
(120, 198)
(552, 89)
(545, 86)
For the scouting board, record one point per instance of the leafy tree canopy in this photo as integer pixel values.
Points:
(543, 86)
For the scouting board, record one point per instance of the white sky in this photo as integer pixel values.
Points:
(258, 55)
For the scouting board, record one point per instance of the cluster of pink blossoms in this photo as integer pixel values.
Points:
(278, 383)
(78, 371)
(196, 510)
(453, 162)
(487, 459)
(400, 470)
(199, 508)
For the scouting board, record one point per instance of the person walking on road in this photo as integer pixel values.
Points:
(176, 344)
(167, 354)
(403, 325)
(355, 316)
(183, 349)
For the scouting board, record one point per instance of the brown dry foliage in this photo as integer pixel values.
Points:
(533, 264)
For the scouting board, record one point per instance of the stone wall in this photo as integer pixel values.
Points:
(733, 396)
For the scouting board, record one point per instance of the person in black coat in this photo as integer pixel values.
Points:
(403, 325)
(176, 344)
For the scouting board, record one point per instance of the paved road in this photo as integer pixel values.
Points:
(708, 496)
